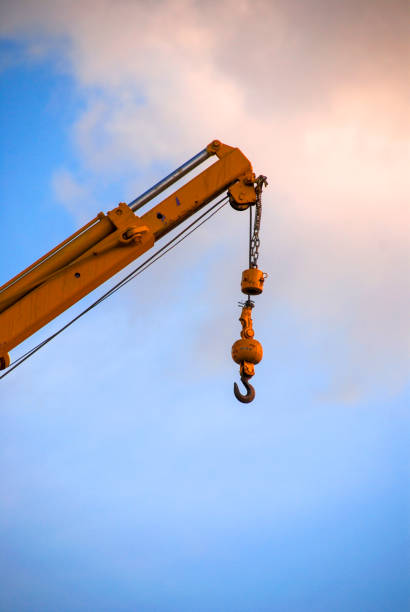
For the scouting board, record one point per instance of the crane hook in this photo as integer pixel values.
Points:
(250, 391)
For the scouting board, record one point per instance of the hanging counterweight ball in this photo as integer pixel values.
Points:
(252, 281)
(247, 349)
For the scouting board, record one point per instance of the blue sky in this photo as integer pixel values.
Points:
(131, 478)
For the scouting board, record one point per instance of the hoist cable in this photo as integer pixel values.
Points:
(134, 273)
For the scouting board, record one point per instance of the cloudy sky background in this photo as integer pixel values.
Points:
(131, 477)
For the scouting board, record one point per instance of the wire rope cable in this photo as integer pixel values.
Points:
(192, 227)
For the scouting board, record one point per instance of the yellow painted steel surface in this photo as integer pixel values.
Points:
(107, 244)
(66, 286)
(252, 281)
(247, 351)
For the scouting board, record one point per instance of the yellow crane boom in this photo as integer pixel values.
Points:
(109, 242)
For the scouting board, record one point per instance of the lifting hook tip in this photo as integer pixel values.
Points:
(250, 391)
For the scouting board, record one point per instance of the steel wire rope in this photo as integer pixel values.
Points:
(133, 274)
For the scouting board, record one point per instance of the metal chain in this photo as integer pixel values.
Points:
(261, 182)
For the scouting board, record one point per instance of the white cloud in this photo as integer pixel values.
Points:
(316, 94)
(74, 196)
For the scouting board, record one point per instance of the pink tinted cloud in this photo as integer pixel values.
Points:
(316, 94)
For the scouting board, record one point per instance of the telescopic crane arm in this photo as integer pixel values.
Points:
(111, 241)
